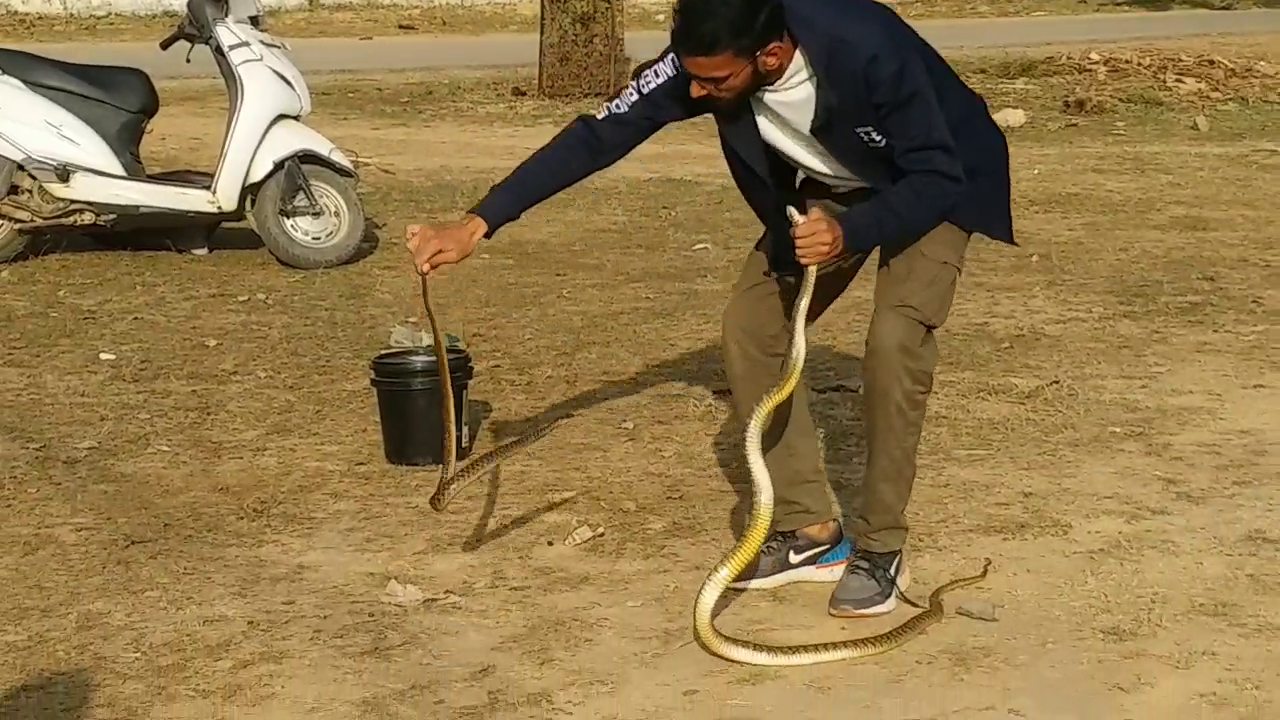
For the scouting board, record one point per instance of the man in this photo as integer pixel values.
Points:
(841, 109)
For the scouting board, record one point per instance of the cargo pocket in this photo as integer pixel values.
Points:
(922, 280)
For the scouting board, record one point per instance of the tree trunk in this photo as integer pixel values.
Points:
(581, 52)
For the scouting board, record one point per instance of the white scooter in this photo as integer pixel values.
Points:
(70, 137)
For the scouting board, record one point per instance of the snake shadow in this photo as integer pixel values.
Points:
(834, 379)
(63, 696)
(478, 411)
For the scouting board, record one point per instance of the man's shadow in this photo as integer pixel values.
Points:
(64, 696)
(834, 380)
(227, 237)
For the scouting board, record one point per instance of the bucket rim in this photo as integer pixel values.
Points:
(424, 350)
(398, 362)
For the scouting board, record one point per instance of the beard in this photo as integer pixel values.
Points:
(733, 105)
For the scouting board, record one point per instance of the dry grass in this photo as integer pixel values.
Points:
(1176, 79)
(521, 16)
(197, 532)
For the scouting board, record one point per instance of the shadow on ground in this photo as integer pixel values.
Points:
(227, 238)
(836, 404)
(64, 696)
(478, 411)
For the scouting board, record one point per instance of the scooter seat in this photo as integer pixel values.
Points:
(127, 89)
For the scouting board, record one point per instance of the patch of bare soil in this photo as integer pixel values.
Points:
(200, 522)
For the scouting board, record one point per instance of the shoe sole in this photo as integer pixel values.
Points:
(825, 573)
(884, 608)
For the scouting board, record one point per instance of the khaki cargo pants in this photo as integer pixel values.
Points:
(913, 295)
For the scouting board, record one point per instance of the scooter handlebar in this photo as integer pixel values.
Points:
(172, 39)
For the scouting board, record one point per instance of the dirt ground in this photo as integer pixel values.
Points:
(202, 527)
(522, 16)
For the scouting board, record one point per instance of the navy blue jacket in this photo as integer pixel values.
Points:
(889, 109)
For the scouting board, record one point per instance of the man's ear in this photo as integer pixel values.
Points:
(773, 56)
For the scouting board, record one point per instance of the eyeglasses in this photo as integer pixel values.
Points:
(717, 85)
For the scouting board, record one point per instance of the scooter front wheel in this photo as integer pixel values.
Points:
(328, 233)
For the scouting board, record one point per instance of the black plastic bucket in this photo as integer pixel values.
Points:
(409, 401)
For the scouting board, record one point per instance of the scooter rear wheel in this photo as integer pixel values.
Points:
(330, 238)
(11, 241)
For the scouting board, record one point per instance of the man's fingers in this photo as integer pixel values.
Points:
(809, 258)
(429, 245)
(805, 229)
(439, 257)
(815, 237)
(817, 245)
(445, 256)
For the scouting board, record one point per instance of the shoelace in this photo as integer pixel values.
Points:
(776, 542)
(862, 565)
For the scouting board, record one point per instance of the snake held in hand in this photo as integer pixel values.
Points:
(758, 526)
(452, 483)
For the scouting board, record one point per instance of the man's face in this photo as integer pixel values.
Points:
(727, 82)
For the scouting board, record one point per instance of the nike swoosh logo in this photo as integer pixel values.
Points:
(796, 558)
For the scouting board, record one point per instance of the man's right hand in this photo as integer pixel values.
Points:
(444, 245)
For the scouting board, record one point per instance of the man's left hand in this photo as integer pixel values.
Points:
(818, 239)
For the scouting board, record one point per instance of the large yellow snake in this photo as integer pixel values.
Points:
(761, 520)
(758, 525)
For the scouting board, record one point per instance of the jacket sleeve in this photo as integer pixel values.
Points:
(656, 95)
(932, 176)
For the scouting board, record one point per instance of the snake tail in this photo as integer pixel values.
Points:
(451, 485)
(454, 479)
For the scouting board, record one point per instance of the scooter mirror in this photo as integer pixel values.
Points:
(244, 9)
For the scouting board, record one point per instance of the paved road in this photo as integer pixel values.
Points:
(320, 55)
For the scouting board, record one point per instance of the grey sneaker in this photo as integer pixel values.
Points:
(868, 585)
(788, 558)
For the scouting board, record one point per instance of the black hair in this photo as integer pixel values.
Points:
(706, 28)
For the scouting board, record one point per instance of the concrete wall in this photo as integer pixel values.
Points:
(147, 7)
